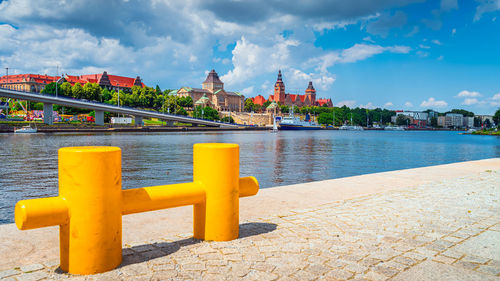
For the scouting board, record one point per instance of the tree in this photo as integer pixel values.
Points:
(401, 120)
(496, 117)
(106, 95)
(434, 122)
(464, 112)
(186, 101)
(206, 113)
(158, 90)
(248, 105)
(325, 118)
(227, 119)
(50, 89)
(77, 91)
(66, 89)
(92, 91)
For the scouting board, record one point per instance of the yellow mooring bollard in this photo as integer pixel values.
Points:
(91, 203)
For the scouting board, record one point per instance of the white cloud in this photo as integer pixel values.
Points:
(249, 59)
(470, 101)
(437, 42)
(486, 7)
(470, 94)
(348, 103)
(368, 39)
(422, 46)
(432, 102)
(453, 31)
(388, 104)
(321, 81)
(369, 105)
(496, 97)
(247, 91)
(408, 104)
(363, 51)
(422, 54)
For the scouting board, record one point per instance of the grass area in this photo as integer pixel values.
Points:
(490, 132)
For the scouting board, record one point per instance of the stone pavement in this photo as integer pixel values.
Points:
(445, 229)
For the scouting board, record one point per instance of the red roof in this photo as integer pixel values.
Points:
(260, 100)
(271, 98)
(321, 102)
(293, 97)
(302, 98)
(42, 79)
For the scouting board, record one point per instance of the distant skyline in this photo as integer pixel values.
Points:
(395, 54)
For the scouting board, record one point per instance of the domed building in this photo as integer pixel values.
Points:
(213, 94)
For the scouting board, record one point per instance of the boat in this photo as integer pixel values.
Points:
(294, 123)
(275, 126)
(351, 127)
(26, 130)
(394, 128)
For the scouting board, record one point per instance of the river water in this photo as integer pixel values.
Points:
(28, 167)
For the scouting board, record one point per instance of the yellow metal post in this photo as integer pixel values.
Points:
(216, 167)
(90, 204)
(90, 181)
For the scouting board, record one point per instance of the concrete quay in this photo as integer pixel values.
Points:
(431, 223)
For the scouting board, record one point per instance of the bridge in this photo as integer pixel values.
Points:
(100, 108)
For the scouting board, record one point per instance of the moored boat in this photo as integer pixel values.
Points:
(26, 130)
(294, 123)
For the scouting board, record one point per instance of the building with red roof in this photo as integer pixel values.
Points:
(36, 82)
(308, 99)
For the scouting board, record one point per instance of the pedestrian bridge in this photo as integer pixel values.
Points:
(100, 108)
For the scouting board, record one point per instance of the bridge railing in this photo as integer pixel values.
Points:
(91, 203)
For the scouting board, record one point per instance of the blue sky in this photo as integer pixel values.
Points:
(396, 54)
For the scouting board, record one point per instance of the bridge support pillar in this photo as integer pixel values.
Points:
(99, 117)
(170, 123)
(138, 121)
(47, 114)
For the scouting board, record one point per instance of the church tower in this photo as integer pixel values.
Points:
(311, 93)
(279, 89)
(212, 83)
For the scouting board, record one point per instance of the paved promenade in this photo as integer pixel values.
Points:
(433, 223)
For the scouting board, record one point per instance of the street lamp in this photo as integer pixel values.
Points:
(57, 83)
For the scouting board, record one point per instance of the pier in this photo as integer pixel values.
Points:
(429, 223)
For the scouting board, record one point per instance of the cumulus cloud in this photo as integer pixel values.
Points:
(408, 104)
(369, 105)
(496, 97)
(432, 102)
(250, 59)
(470, 94)
(437, 42)
(348, 103)
(470, 101)
(388, 104)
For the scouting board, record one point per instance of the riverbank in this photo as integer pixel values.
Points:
(88, 127)
(431, 223)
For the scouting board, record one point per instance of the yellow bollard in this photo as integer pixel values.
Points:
(90, 204)
(90, 181)
(216, 167)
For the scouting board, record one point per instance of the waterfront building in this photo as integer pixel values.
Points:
(105, 80)
(417, 118)
(308, 99)
(27, 82)
(483, 118)
(213, 94)
(36, 82)
(468, 122)
(281, 97)
(454, 120)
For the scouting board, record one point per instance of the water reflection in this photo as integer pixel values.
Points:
(28, 167)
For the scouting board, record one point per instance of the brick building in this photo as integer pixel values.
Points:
(308, 99)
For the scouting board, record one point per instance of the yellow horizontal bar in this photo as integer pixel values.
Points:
(249, 186)
(42, 212)
(161, 197)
